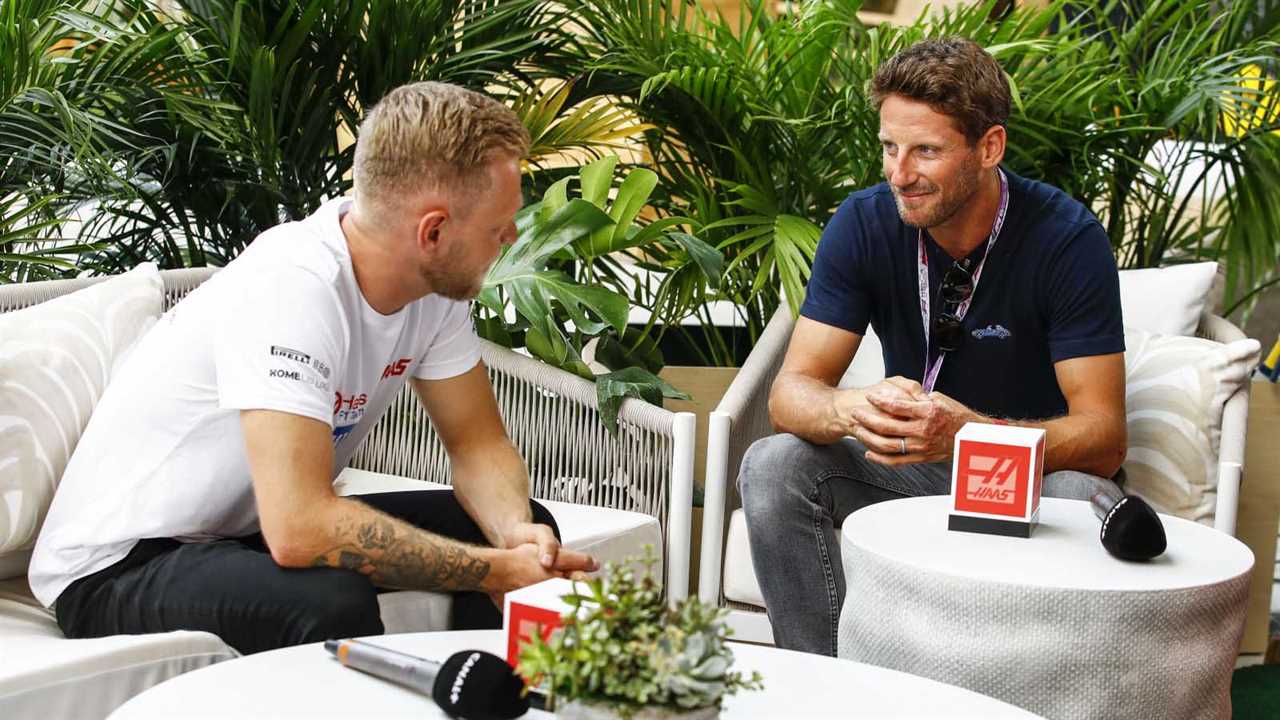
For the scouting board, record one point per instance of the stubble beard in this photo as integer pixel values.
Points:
(450, 282)
(949, 203)
(455, 286)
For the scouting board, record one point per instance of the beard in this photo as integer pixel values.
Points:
(946, 202)
(452, 280)
(459, 288)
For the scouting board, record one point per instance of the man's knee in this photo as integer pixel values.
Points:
(543, 516)
(773, 471)
(1074, 485)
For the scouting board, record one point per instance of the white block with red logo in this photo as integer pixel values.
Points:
(533, 609)
(996, 475)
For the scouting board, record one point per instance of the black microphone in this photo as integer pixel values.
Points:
(471, 684)
(1131, 530)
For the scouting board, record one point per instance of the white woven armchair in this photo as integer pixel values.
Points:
(726, 576)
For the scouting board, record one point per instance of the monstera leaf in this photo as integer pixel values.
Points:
(522, 277)
(557, 289)
(634, 382)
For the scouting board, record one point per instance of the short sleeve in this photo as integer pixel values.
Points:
(836, 294)
(1083, 298)
(454, 349)
(278, 346)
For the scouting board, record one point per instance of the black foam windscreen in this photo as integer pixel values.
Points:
(477, 685)
(1132, 530)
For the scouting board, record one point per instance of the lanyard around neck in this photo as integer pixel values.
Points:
(931, 370)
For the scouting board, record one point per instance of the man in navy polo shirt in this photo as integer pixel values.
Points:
(1008, 283)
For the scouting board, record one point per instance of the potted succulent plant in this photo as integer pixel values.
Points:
(623, 652)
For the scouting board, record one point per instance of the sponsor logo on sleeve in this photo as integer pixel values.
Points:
(348, 409)
(340, 432)
(302, 358)
(320, 367)
(285, 374)
(291, 354)
(298, 377)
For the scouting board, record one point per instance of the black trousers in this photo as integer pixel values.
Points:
(233, 588)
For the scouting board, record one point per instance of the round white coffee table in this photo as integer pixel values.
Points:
(1050, 623)
(305, 681)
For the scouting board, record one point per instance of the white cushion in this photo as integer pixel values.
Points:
(1167, 300)
(740, 583)
(44, 675)
(55, 361)
(1175, 391)
(606, 534)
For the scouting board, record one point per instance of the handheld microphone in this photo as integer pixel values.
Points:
(471, 684)
(1131, 530)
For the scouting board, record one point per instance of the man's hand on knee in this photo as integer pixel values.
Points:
(550, 555)
(851, 405)
(898, 431)
(521, 566)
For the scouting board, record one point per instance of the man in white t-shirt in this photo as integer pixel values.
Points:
(201, 496)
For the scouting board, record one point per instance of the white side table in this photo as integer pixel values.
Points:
(305, 682)
(1052, 623)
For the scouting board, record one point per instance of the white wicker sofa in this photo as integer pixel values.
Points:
(1167, 302)
(611, 496)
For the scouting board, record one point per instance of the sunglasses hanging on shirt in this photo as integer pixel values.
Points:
(957, 287)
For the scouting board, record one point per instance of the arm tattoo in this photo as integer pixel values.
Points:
(392, 557)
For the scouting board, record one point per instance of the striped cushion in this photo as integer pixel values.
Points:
(55, 361)
(1175, 390)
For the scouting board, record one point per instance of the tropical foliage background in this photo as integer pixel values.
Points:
(177, 131)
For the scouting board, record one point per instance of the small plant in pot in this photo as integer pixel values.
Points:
(623, 652)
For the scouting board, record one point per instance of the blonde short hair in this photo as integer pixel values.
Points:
(431, 135)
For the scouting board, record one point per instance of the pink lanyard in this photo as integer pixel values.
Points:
(931, 370)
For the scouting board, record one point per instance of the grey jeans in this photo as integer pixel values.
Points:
(795, 494)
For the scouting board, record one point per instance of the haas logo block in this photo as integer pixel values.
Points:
(533, 610)
(997, 471)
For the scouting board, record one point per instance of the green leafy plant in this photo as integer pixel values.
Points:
(754, 138)
(293, 78)
(206, 122)
(621, 644)
(566, 280)
(77, 78)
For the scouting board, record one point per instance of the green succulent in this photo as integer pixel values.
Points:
(692, 666)
(622, 644)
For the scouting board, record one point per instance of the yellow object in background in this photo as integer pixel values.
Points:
(1239, 118)
(1268, 367)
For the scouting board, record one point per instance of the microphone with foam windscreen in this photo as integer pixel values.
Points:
(472, 684)
(1131, 529)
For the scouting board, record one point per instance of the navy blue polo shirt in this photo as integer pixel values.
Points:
(1049, 292)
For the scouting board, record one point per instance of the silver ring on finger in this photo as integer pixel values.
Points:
(903, 449)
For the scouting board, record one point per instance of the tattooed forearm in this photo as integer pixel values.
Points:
(397, 555)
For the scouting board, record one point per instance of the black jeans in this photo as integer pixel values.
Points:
(233, 588)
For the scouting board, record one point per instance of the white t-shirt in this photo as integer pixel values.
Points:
(283, 327)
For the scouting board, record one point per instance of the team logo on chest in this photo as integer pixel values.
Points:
(992, 332)
(396, 368)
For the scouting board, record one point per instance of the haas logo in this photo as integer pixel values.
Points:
(992, 478)
(396, 368)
